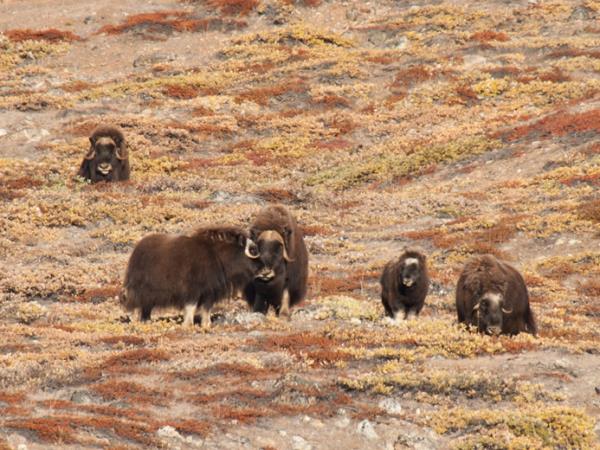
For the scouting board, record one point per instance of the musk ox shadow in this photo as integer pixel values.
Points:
(491, 295)
(108, 158)
(281, 281)
(405, 284)
(187, 272)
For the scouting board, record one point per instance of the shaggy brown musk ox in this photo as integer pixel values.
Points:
(491, 295)
(404, 284)
(187, 272)
(281, 281)
(107, 159)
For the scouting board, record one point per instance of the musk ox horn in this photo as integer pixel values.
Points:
(507, 310)
(91, 155)
(476, 307)
(247, 251)
(121, 153)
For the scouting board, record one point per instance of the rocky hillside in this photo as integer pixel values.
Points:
(462, 128)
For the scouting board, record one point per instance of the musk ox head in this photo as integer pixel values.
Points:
(490, 311)
(107, 159)
(272, 257)
(412, 264)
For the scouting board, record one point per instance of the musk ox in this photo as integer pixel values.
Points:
(107, 159)
(492, 296)
(187, 272)
(281, 280)
(404, 284)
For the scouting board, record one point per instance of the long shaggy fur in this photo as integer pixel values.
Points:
(398, 297)
(484, 274)
(174, 271)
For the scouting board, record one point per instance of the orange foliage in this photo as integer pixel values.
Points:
(486, 36)
(99, 295)
(181, 92)
(50, 35)
(179, 21)
(560, 124)
(234, 7)
(278, 195)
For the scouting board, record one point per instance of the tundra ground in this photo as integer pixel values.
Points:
(459, 127)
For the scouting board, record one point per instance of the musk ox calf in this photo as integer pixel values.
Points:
(281, 280)
(404, 284)
(107, 159)
(187, 272)
(492, 296)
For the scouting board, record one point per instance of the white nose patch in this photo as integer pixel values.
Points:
(104, 168)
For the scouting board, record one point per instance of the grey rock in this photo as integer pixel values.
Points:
(299, 443)
(249, 318)
(581, 13)
(390, 406)
(367, 430)
(81, 397)
(152, 59)
(169, 432)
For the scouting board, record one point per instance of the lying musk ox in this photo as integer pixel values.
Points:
(187, 272)
(492, 296)
(281, 281)
(107, 159)
(404, 284)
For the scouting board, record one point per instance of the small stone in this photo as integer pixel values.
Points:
(342, 422)
(355, 321)
(390, 406)
(169, 432)
(581, 13)
(3, 132)
(283, 432)
(81, 397)
(366, 429)
(299, 443)
(249, 318)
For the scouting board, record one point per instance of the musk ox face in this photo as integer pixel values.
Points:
(490, 312)
(272, 255)
(105, 157)
(411, 271)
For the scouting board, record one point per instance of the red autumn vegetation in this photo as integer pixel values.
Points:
(559, 124)
(234, 7)
(50, 35)
(486, 36)
(172, 21)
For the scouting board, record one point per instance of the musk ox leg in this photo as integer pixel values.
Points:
(135, 315)
(146, 313)
(410, 314)
(189, 311)
(205, 316)
(284, 309)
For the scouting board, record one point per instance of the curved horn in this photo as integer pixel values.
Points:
(91, 154)
(250, 242)
(507, 311)
(285, 254)
(121, 152)
(476, 307)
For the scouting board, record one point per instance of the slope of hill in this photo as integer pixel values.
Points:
(459, 127)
